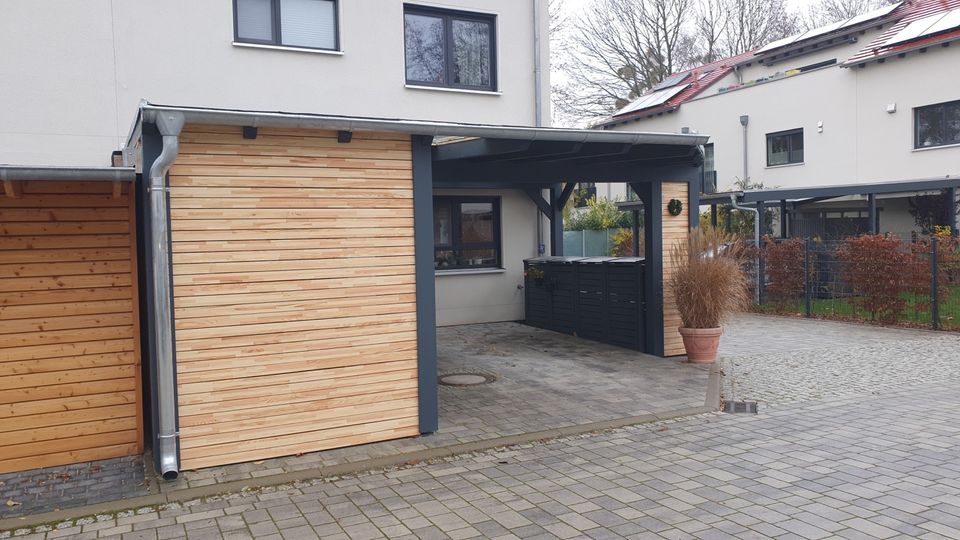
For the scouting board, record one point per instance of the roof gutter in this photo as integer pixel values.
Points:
(414, 127)
(68, 174)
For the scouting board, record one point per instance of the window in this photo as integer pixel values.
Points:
(785, 147)
(937, 125)
(309, 24)
(449, 48)
(466, 232)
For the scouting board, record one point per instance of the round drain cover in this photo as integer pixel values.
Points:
(465, 379)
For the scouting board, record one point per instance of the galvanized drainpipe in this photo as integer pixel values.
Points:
(756, 238)
(537, 66)
(169, 124)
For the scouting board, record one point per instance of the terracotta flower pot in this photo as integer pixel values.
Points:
(701, 344)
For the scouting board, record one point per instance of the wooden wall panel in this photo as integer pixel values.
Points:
(69, 346)
(675, 229)
(294, 293)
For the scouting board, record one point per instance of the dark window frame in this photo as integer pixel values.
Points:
(448, 16)
(916, 123)
(277, 31)
(784, 133)
(456, 244)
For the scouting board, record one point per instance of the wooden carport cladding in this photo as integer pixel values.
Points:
(69, 355)
(294, 298)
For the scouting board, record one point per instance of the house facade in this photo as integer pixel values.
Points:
(79, 79)
(869, 100)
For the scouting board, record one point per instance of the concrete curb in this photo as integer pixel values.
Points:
(711, 404)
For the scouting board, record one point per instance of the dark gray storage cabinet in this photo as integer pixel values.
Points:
(596, 298)
(550, 289)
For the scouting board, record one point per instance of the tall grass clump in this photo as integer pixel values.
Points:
(707, 280)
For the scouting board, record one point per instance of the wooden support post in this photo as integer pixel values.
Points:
(13, 189)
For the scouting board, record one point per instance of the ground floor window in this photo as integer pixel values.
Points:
(785, 147)
(466, 232)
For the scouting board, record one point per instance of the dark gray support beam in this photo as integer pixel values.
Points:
(784, 232)
(567, 192)
(651, 193)
(556, 221)
(872, 208)
(426, 295)
(952, 210)
(538, 199)
(713, 216)
(636, 234)
(693, 202)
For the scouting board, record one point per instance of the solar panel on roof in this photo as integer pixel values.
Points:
(778, 43)
(949, 21)
(917, 29)
(652, 99)
(871, 15)
(672, 80)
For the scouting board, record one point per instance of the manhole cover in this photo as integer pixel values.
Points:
(465, 379)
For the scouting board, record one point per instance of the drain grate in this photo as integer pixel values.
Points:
(466, 379)
(740, 407)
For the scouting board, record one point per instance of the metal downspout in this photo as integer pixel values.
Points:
(756, 238)
(169, 124)
(537, 66)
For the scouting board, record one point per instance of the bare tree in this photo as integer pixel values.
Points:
(826, 12)
(620, 48)
(755, 23)
(709, 25)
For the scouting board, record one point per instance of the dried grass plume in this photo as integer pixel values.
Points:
(708, 280)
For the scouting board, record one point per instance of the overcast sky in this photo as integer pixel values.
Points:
(574, 7)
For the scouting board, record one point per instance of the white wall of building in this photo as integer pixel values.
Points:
(74, 72)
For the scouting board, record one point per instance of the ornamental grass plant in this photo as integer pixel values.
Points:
(707, 279)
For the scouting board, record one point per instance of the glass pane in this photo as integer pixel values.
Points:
(444, 259)
(442, 221)
(471, 53)
(478, 257)
(778, 150)
(796, 147)
(308, 23)
(708, 157)
(254, 20)
(423, 42)
(952, 128)
(930, 126)
(476, 223)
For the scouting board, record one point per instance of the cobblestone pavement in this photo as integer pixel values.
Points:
(778, 360)
(858, 467)
(544, 380)
(72, 485)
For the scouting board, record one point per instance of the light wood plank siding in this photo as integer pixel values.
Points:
(69, 346)
(294, 298)
(675, 229)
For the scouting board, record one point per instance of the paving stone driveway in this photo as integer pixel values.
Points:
(779, 360)
(857, 467)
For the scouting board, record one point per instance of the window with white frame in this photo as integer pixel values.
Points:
(309, 24)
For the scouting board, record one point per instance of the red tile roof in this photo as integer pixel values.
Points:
(911, 10)
(703, 77)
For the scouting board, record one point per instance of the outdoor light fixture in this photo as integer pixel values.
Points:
(744, 120)
(249, 132)
(344, 136)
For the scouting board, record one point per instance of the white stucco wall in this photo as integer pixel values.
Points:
(72, 84)
(469, 298)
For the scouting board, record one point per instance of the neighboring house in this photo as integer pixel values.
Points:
(75, 81)
(869, 100)
(250, 283)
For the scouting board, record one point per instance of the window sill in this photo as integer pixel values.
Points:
(939, 146)
(785, 165)
(287, 48)
(469, 271)
(454, 90)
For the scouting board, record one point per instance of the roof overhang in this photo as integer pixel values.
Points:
(72, 174)
(829, 192)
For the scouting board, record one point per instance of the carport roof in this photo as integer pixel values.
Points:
(829, 192)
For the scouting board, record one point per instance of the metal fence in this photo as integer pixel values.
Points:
(865, 278)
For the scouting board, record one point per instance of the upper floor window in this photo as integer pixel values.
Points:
(785, 147)
(937, 125)
(453, 49)
(310, 24)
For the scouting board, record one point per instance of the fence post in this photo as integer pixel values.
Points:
(934, 285)
(807, 300)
